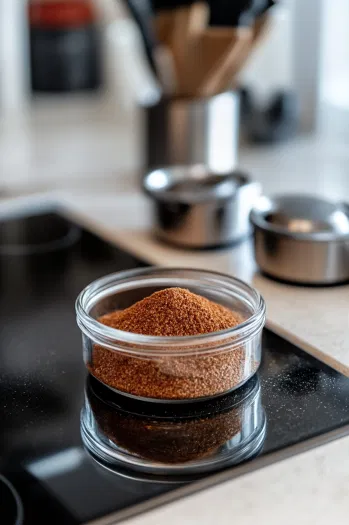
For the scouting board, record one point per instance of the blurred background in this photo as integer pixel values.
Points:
(75, 76)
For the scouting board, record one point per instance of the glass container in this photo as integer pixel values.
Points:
(170, 369)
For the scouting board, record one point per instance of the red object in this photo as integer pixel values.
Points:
(61, 14)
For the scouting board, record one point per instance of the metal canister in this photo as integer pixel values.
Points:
(184, 132)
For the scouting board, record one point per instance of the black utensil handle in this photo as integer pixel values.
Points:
(162, 5)
(142, 13)
(231, 13)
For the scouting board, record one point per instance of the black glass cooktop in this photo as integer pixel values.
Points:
(46, 476)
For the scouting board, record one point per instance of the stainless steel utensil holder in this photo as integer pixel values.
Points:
(193, 131)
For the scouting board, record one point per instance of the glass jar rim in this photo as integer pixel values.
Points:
(141, 344)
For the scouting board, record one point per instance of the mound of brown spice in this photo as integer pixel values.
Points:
(171, 312)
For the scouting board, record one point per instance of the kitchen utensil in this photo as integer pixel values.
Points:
(189, 23)
(165, 11)
(302, 239)
(207, 59)
(166, 70)
(199, 50)
(185, 131)
(219, 74)
(163, 5)
(244, 14)
(234, 13)
(163, 23)
(194, 207)
(179, 38)
(142, 13)
(165, 14)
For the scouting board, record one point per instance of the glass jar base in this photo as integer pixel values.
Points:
(177, 401)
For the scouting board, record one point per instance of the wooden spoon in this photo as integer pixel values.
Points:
(228, 54)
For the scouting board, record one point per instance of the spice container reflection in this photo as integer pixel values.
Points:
(183, 440)
(174, 367)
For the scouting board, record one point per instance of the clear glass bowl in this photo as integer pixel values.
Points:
(170, 369)
(133, 436)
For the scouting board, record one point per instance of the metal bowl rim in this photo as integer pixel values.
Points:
(258, 220)
(166, 194)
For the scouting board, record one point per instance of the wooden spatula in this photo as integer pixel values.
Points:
(163, 23)
(189, 23)
(231, 47)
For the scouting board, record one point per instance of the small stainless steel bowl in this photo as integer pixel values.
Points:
(302, 239)
(196, 208)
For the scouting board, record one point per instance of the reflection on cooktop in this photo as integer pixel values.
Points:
(191, 440)
(43, 381)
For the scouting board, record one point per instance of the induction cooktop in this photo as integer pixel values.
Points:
(50, 471)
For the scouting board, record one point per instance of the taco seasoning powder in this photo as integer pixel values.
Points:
(171, 312)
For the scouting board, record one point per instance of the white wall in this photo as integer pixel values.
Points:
(14, 57)
(334, 82)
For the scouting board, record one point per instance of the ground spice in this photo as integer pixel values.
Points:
(171, 312)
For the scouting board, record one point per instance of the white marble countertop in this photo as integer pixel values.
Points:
(72, 148)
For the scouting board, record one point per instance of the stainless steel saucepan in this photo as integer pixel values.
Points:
(196, 208)
(302, 239)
